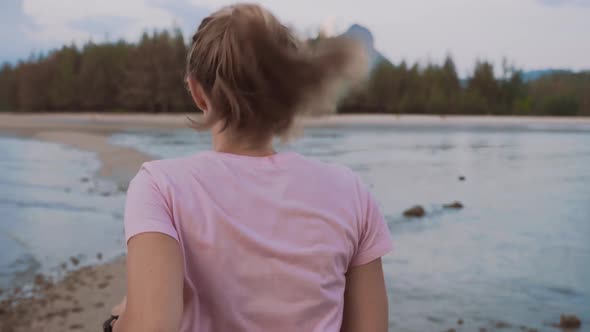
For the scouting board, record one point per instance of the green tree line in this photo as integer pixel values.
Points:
(437, 89)
(147, 76)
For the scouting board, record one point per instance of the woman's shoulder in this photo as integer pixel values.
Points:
(174, 168)
(326, 173)
(325, 167)
(173, 163)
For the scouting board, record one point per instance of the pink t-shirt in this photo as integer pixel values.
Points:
(266, 240)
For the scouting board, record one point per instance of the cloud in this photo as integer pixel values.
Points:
(78, 20)
(15, 27)
(34, 25)
(530, 33)
(186, 14)
(105, 26)
(565, 2)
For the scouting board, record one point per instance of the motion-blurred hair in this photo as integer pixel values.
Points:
(259, 76)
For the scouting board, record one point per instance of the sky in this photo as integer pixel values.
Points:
(531, 34)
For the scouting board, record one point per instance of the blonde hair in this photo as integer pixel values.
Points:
(259, 76)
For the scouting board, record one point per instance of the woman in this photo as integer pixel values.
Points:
(243, 238)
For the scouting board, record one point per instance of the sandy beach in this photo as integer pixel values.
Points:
(82, 300)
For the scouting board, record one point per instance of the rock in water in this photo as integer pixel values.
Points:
(74, 261)
(454, 205)
(569, 322)
(39, 279)
(461, 178)
(503, 325)
(415, 212)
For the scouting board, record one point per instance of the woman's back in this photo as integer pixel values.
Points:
(266, 241)
(243, 238)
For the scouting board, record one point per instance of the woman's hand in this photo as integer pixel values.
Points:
(119, 309)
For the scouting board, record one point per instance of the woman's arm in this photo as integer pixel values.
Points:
(155, 277)
(365, 299)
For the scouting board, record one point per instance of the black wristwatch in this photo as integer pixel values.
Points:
(107, 326)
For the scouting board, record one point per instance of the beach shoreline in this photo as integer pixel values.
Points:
(82, 300)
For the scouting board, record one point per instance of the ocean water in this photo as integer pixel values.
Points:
(519, 252)
(52, 208)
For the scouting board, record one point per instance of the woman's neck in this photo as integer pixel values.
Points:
(224, 142)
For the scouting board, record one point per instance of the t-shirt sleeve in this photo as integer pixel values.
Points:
(374, 238)
(146, 209)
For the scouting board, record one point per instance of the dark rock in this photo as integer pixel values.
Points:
(99, 256)
(103, 285)
(455, 205)
(460, 322)
(451, 330)
(63, 313)
(40, 280)
(461, 178)
(502, 325)
(483, 329)
(85, 179)
(77, 310)
(415, 212)
(64, 265)
(76, 327)
(105, 194)
(74, 261)
(99, 305)
(569, 322)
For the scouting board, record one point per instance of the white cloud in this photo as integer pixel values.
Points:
(527, 32)
(54, 18)
(530, 33)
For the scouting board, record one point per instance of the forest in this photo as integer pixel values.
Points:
(147, 76)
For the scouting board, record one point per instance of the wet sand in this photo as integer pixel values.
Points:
(82, 300)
